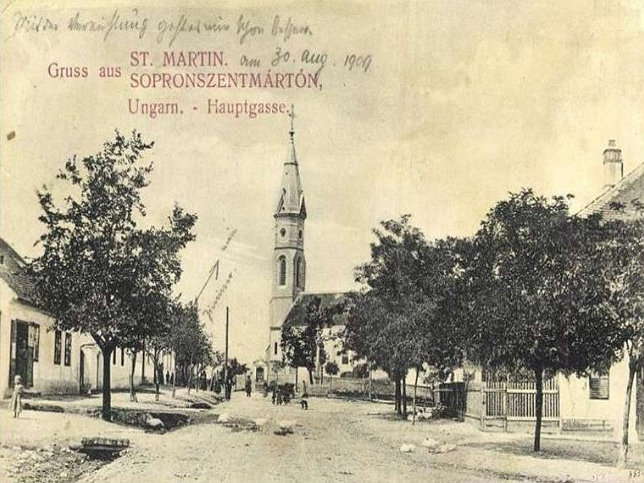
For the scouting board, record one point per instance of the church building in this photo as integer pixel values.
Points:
(288, 262)
(288, 279)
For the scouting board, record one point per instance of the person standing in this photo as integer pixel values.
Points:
(248, 386)
(16, 397)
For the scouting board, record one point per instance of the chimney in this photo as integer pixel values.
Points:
(613, 165)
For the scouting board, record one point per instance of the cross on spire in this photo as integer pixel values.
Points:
(291, 115)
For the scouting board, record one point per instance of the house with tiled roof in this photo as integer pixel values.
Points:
(30, 349)
(626, 192)
(49, 361)
(592, 403)
(621, 199)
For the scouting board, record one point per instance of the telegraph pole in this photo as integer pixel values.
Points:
(227, 385)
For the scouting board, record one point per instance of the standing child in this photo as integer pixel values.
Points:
(16, 397)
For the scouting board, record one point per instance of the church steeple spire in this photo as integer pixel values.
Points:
(291, 195)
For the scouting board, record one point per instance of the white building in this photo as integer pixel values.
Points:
(51, 361)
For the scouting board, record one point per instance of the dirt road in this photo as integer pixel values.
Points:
(332, 441)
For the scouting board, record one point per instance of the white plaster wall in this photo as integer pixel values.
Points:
(50, 378)
(47, 376)
(576, 403)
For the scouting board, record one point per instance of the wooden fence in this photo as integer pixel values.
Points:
(492, 404)
(499, 402)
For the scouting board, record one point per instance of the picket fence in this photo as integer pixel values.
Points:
(493, 403)
(497, 403)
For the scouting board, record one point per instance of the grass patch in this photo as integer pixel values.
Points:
(601, 452)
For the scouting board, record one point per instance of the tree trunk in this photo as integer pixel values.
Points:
(397, 394)
(106, 412)
(155, 362)
(132, 392)
(404, 395)
(198, 371)
(143, 364)
(189, 379)
(538, 373)
(413, 418)
(174, 382)
(627, 411)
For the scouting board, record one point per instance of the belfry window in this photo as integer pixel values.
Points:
(282, 270)
(298, 272)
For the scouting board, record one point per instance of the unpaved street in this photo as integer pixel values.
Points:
(333, 441)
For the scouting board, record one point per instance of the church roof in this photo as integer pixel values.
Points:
(326, 300)
(291, 194)
(628, 194)
(13, 271)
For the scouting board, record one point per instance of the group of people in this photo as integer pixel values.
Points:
(283, 395)
(279, 396)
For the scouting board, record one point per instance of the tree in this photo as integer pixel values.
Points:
(191, 345)
(403, 319)
(623, 250)
(380, 318)
(301, 336)
(331, 368)
(152, 326)
(538, 299)
(235, 368)
(98, 267)
(160, 340)
(361, 370)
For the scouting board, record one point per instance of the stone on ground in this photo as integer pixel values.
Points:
(431, 443)
(153, 423)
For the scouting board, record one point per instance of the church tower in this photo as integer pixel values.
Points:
(289, 266)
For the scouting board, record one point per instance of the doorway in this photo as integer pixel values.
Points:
(259, 374)
(22, 352)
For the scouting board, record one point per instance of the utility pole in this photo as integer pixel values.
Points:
(227, 385)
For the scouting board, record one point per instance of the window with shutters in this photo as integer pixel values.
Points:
(68, 349)
(598, 386)
(57, 346)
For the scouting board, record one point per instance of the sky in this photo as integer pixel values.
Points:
(463, 102)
